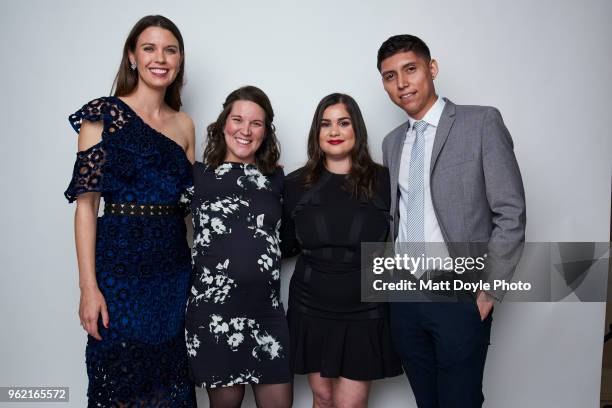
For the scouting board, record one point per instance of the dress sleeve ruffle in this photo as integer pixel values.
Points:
(127, 147)
(88, 174)
(92, 111)
(105, 166)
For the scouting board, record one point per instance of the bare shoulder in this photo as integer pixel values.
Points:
(185, 120)
(185, 128)
(182, 122)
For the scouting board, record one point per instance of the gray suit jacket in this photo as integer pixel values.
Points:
(476, 187)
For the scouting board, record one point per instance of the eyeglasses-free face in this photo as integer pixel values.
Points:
(336, 134)
(244, 131)
(408, 80)
(157, 57)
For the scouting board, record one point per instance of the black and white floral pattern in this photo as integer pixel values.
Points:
(254, 177)
(266, 261)
(244, 377)
(193, 343)
(212, 287)
(210, 219)
(236, 329)
(233, 333)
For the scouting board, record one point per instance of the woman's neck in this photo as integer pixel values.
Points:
(147, 101)
(338, 165)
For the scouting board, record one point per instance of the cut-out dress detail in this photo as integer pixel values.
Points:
(142, 261)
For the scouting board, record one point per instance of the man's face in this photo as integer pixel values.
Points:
(408, 79)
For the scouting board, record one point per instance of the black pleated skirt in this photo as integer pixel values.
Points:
(355, 349)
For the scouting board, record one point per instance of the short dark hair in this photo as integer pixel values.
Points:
(402, 43)
(266, 157)
(361, 180)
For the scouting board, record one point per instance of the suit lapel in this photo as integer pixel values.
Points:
(394, 168)
(444, 126)
(396, 153)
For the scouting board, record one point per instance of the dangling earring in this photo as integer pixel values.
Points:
(133, 66)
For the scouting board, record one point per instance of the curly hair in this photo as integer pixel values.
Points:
(361, 180)
(266, 157)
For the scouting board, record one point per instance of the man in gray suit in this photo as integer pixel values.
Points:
(454, 180)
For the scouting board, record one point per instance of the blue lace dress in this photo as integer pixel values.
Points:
(142, 261)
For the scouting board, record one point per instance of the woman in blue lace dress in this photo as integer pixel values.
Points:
(136, 151)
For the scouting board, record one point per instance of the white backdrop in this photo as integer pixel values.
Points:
(545, 65)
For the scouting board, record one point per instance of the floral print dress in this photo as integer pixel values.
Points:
(236, 332)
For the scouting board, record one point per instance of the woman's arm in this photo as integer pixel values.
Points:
(92, 302)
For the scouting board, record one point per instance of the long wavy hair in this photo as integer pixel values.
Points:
(267, 155)
(361, 180)
(127, 79)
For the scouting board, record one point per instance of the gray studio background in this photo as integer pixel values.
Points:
(545, 65)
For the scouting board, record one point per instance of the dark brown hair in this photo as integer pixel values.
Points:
(402, 43)
(266, 157)
(126, 78)
(361, 180)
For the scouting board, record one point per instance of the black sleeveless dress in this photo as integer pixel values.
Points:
(331, 330)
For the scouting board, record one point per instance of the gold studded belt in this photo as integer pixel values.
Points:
(141, 209)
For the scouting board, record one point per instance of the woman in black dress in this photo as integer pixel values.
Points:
(339, 199)
(236, 331)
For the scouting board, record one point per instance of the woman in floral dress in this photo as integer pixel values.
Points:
(236, 331)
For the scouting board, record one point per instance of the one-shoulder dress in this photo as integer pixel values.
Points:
(142, 259)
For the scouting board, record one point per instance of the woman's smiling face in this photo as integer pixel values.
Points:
(244, 131)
